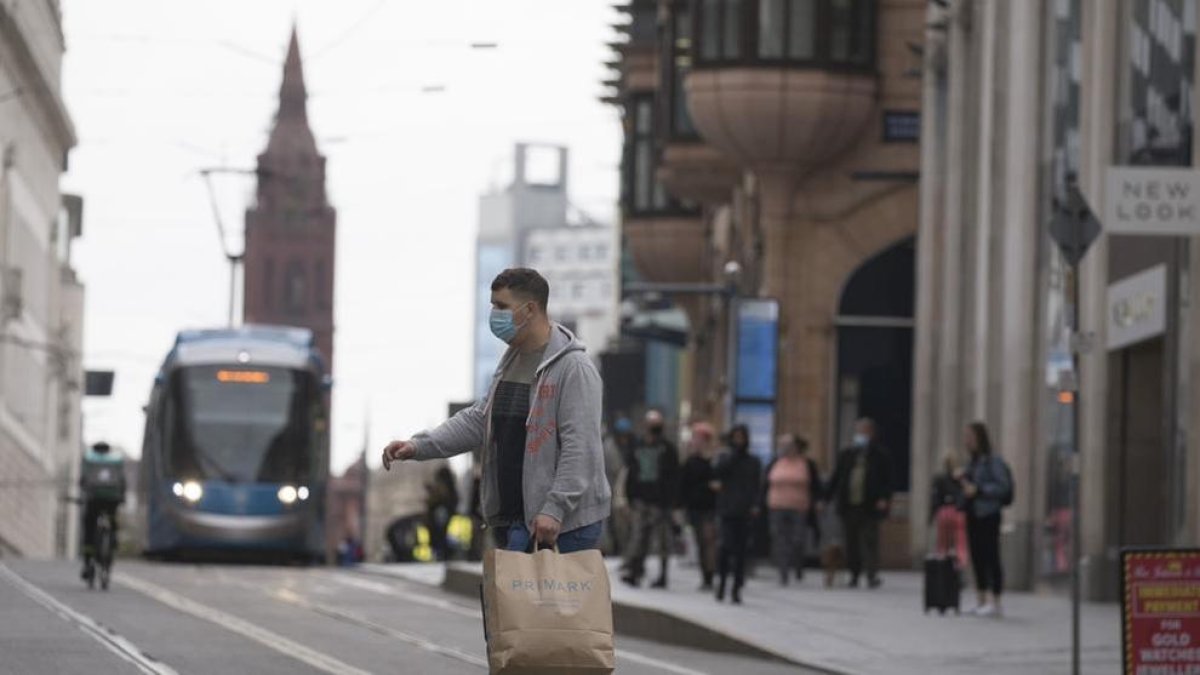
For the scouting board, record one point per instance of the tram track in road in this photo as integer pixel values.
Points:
(315, 591)
(474, 613)
(112, 641)
(246, 629)
(413, 593)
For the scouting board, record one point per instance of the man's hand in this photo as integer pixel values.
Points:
(545, 530)
(881, 505)
(970, 489)
(398, 451)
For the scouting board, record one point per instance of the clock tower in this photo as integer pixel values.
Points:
(290, 230)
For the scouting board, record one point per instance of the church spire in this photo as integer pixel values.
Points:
(291, 134)
(293, 96)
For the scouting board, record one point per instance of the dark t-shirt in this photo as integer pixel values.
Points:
(510, 411)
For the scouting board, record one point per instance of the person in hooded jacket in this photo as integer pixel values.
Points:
(651, 484)
(738, 481)
(539, 428)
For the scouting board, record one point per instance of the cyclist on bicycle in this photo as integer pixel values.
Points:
(102, 482)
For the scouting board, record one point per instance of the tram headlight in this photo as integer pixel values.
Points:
(190, 491)
(177, 489)
(287, 494)
(302, 493)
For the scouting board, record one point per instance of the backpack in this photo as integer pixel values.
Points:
(1006, 498)
(104, 480)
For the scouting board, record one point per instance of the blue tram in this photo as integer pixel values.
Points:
(236, 450)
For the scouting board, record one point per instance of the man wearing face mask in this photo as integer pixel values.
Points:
(653, 465)
(862, 486)
(543, 474)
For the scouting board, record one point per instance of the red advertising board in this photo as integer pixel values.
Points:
(1160, 609)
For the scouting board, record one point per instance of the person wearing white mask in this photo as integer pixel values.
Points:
(862, 488)
(539, 427)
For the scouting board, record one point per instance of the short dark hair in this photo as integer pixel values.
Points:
(525, 283)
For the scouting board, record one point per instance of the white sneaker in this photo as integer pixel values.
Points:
(988, 611)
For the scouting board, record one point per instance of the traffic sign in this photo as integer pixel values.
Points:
(1074, 227)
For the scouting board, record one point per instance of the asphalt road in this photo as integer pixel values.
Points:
(180, 618)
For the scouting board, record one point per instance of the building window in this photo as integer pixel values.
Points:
(645, 192)
(561, 253)
(817, 33)
(535, 254)
(676, 64)
(268, 290)
(578, 291)
(321, 283)
(295, 289)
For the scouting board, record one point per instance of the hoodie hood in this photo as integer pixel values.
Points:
(562, 342)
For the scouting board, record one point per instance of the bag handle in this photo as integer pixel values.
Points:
(534, 544)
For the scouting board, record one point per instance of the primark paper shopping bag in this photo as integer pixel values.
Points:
(547, 613)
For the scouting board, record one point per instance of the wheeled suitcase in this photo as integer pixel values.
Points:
(943, 584)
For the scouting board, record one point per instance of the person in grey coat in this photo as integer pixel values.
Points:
(539, 426)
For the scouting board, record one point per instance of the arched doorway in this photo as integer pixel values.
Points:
(875, 353)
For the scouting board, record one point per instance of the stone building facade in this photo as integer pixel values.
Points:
(41, 300)
(782, 136)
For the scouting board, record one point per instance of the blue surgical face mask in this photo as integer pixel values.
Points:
(503, 325)
(861, 440)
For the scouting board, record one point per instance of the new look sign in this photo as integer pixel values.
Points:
(1152, 201)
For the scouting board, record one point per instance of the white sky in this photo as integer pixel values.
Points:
(161, 88)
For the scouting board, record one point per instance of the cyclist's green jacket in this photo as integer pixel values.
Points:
(103, 477)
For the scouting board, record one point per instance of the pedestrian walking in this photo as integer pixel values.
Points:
(539, 426)
(946, 512)
(792, 493)
(987, 485)
(699, 500)
(862, 484)
(617, 447)
(441, 503)
(652, 490)
(738, 477)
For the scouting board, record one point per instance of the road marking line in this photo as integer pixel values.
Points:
(241, 627)
(409, 638)
(380, 587)
(637, 657)
(107, 638)
(415, 597)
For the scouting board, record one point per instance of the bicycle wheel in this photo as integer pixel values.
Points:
(104, 552)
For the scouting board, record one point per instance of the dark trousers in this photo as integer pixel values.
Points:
(704, 527)
(91, 517)
(789, 541)
(983, 534)
(734, 536)
(862, 542)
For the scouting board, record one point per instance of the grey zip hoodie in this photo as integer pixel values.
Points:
(563, 473)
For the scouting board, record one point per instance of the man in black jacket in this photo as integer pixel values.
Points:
(862, 486)
(653, 474)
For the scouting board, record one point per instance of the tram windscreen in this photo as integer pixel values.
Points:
(242, 424)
